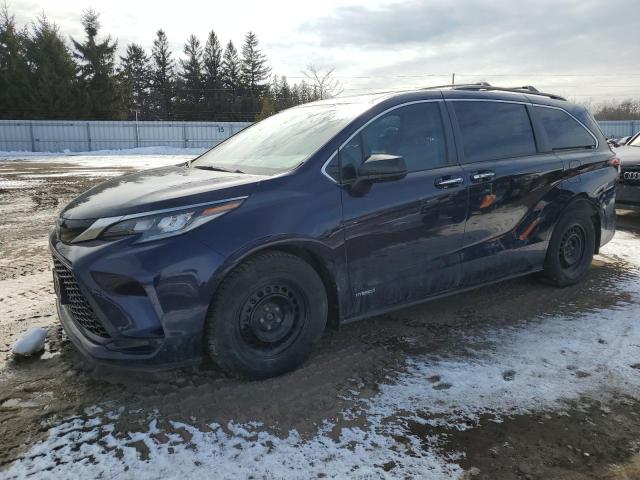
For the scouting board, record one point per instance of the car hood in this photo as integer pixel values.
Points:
(628, 156)
(156, 189)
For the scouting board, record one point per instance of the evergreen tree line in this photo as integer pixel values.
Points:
(42, 76)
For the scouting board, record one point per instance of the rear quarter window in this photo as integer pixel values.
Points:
(494, 130)
(563, 131)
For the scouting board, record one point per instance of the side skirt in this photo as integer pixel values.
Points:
(382, 311)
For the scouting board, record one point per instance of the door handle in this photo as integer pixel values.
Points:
(448, 182)
(482, 176)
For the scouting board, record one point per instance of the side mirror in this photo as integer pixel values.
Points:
(381, 167)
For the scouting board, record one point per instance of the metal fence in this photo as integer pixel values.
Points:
(86, 136)
(619, 128)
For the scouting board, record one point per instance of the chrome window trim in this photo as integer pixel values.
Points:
(579, 122)
(323, 170)
(101, 224)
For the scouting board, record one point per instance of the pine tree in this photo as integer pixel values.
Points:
(254, 69)
(53, 86)
(212, 75)
(273, 89)
(295, 95)
(163, 78)
(284, 95)
(306, 93)
(97, 75)
(231, 82)
(268, 107)
(231, 68)
(14, 70)
(136, 73)
(190, 85)
(253, 73)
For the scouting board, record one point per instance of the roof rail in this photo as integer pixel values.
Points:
(526, 89)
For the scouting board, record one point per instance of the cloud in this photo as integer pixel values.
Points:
(420, 22)
(389, 41)
(530, 42)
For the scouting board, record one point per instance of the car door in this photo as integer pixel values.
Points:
(510, 185)
(403, 237)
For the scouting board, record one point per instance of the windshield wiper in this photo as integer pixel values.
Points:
(217, 169)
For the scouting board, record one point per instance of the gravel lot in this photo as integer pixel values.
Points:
(516, 380)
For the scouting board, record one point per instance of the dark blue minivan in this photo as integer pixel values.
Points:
(330, 212)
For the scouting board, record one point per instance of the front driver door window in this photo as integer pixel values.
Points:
(413, 132)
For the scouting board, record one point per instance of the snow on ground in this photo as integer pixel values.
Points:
(16, 184)
(159, 150)
(535, 367)
(75, 173)
(144, 157)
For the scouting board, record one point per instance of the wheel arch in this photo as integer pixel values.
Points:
(596, 214)
(314, 253)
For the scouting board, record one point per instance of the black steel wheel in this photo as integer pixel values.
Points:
(266, 316)
(272, 317)
(571, 247)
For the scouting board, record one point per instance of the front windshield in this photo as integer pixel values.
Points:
(635, 142)
(283, 141)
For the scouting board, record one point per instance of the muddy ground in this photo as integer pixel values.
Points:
(589, 438)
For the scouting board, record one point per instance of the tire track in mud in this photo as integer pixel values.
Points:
(21, 267)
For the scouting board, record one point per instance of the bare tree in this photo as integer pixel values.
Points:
(323, 82)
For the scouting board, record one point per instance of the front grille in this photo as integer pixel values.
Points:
(70, 295)
(630, 176)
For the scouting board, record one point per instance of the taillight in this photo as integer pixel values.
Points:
(615, 162)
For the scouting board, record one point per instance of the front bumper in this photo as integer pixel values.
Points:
(628, 196)
(150, 300)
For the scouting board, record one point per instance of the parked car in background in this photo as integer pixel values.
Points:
(327, 213)
(628, 194)
(618, 142)
(623, 141)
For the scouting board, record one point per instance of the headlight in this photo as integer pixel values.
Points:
(168, 224)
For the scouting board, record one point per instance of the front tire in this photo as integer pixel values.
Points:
(571, 248)
(266, 316)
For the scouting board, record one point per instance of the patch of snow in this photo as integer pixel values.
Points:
(76, 173)
(31, 341)
(243, 451)
(625, 246)
(111, 161)
(159, 150)
(14, 184)
(537, 366)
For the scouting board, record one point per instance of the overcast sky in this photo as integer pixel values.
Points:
(582, 49)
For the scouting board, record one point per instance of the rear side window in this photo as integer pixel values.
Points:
(494, 130)
(413, 132)
(563, 132)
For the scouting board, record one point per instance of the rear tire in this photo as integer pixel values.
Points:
(266, 316)
(571, 248)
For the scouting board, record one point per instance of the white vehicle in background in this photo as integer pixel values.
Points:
(628, 190)
(619, 142)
